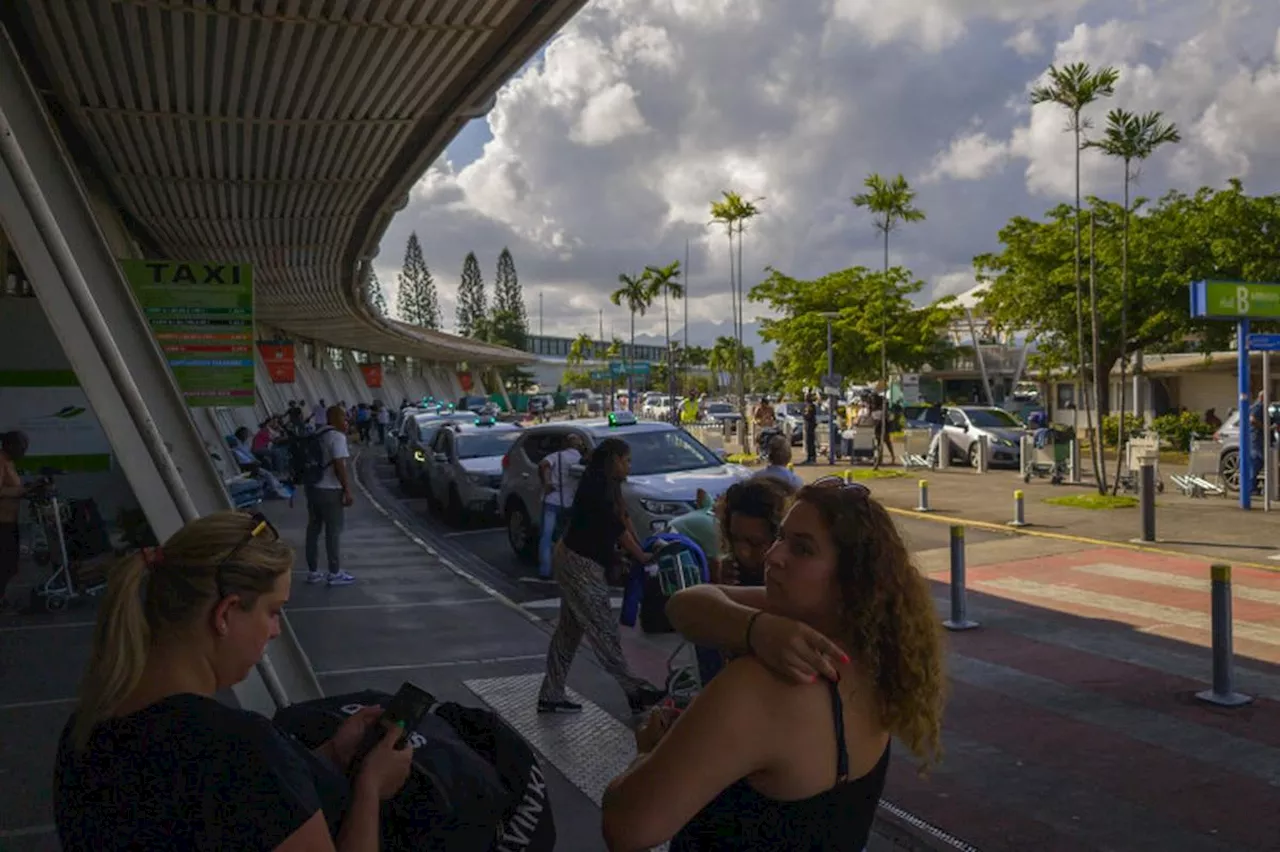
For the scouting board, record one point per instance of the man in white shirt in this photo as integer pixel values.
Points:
(558, 488)
(326, 501)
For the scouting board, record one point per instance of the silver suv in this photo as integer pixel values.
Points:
(668, 466)
(465, 467)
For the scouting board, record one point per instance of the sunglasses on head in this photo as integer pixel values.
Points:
(261, 526)
(843, 484)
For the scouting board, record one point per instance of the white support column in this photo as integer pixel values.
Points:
(78, 281)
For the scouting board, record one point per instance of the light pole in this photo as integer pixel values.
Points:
(831, 398)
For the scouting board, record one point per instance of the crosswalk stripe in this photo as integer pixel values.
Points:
(1176, 581)
(1160, 613)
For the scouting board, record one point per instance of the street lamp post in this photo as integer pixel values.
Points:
(831, 398)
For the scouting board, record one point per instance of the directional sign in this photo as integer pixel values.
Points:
(1235, 300)
(600, 375)
(1264, 342)
(619, 369)
(202, 316)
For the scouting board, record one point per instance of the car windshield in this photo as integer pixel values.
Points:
(992, 418)
(483, 445)
(660, 451)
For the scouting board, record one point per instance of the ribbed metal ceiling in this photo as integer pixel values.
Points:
(284, 133)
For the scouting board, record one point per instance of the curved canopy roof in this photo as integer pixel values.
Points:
(283, 133)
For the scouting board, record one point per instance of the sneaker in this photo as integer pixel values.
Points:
(314, 577)
(647, 697)
(342, 578)
(562, 706)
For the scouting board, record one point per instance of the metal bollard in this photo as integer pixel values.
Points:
(924, 497)
(944, 452)
(1223, 693)
(982, 454)
(959, 619)
(1147, 500)
(1019, 513)
(1075, 462)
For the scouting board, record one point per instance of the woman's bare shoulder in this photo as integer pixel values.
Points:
(777, 694)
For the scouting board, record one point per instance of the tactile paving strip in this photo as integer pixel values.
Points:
(590, 748)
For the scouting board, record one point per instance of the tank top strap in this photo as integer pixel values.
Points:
(842, 751)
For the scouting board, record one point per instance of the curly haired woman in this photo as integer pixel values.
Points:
(788, 747)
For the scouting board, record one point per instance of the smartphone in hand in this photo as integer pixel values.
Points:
(410, 705)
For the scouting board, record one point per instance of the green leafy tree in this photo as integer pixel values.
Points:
(866, 303)
(472, 315)
(636, 294)
(417, 301)
(581, 350)
(892, 203)
(734, 212)
(1129, 137)
(1211, 234)
(665, 281)
(1074, 87)
(765, 378)
(376, 299)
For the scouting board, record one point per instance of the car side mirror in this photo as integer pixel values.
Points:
(965, 427)
(441, 458)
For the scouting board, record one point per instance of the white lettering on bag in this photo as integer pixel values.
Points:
(516, 833)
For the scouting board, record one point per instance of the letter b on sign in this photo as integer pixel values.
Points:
(1242, 301)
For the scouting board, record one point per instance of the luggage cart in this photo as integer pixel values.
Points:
(1049, 459)
(51, 515)
(1135, 449)
(1203, 476)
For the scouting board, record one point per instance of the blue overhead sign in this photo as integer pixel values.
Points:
(1264, 342)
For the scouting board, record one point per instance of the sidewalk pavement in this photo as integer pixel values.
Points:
(1214, 528)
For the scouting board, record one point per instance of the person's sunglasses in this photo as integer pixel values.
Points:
(261, 526)
(843, 484)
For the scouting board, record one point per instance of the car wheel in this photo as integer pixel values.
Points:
(521, 533)
(1229, 469)
(973, 454)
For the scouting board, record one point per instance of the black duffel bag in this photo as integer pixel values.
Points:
(475, 784)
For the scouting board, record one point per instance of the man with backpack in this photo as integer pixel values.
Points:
(319, 462)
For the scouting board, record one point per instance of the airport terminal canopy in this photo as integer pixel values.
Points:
(281, 133)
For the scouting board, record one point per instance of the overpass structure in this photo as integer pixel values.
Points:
(282, 134)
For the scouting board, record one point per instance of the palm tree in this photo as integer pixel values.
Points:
(891, 204)
(1130, 137)
(734, 211)
(637, 293)
(1074, 87)
(583, 348)
(665, 280)
(723, 357)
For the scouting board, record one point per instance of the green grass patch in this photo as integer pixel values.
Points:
(872, 473)
(1094, 501)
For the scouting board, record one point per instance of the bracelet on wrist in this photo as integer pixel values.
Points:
(751, 623)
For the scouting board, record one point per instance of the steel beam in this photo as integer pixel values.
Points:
(65, 253)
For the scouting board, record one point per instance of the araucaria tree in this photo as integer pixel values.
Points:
(891, 204)
(1074, 87)
(417, 301)
(472, 313)
(1128, 138)
(509, 321)
(373, 293)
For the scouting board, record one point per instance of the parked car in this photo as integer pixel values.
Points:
(1229, 435)
(722, 411)
(965, 424)
(790, 418)
(473, 403)
(413, 455)
(465, 467)
(668, 466)
(391, 443)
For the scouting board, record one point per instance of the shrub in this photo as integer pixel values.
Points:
(1133, 427)
(1178, 430)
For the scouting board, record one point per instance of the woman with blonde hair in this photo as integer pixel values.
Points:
(151, 760)
(788, 747)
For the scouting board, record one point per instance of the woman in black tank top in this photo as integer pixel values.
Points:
(788, 747)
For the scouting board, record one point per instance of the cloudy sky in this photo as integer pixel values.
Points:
(604, 153)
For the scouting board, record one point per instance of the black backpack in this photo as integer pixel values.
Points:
(476, 785)
(306, 458)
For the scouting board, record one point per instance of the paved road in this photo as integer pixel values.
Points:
(482, 547)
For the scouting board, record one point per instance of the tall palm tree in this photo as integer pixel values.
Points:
(733, 211)
(1074, 87)
(637, 294)
(723, 357)
(582, 349)
(891, 203)
(665, 280)
(1130, 137)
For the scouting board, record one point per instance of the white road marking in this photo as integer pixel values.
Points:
(1175, 581)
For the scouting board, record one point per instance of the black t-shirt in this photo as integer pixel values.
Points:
(189, 773)
(595, 522)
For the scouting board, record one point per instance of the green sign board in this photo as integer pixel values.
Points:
(600, 375)
(619, 369)
(202, 316)
(1235, 300)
